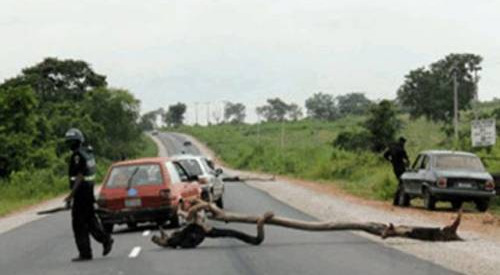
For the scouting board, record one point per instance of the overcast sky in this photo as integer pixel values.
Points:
(165, 51)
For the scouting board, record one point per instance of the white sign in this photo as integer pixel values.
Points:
(483, 132)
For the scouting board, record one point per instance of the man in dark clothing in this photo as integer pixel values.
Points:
(82, 169)
(396, 154)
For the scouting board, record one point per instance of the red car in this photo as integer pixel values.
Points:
(145, 190)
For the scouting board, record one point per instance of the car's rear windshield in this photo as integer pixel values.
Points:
(135, 175)
(455, 162)
(192, 166)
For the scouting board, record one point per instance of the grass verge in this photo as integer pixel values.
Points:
(29, 187)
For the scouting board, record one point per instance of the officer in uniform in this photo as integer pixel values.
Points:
(397, 155)
(82, 169)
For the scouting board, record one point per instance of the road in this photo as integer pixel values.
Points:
(45, 246)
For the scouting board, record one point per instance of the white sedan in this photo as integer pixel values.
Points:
(208, 176)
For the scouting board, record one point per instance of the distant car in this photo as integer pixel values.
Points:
(447, 176)
(207, 175)
(145, 190)
(154, 132)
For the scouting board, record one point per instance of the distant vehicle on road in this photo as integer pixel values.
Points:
(447, 176)
(207, 175)
(145, 190)
(154, 132)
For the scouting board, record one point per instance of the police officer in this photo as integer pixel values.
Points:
(82, 169)
(397, 155)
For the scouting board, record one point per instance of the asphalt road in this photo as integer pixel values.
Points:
(46, 246)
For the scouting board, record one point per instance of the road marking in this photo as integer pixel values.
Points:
(135, 252)
(146, 233)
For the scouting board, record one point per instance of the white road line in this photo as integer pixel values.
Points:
(135, 252)
(146, 233)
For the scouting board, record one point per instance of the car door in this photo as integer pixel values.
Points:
(177, 186)
(190, 189)
(411, 177)
(215, 180)
(424, 174)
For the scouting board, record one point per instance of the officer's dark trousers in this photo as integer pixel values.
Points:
(85, 223)
(398, 172)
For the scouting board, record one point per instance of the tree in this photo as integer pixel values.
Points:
(277, 110)
(148, 121)
(382, 124)
(234, 112)
(294, 112)
(353, 103)
(429, 92)
(321, 106)
(59, 80)
(18, 127)
(116, 112)
(175, 114)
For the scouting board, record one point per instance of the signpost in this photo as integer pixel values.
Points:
(483, 132)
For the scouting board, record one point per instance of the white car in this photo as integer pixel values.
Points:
(208, 176)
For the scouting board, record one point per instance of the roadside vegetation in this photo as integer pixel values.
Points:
(342, 139)
(38, 106)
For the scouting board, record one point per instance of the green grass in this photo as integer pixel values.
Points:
(307, 152)
(148, 148)
(25, 188)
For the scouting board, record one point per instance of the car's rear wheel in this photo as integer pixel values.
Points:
(108, 227)
(482, 205)
(403, 198)
(457, 204)
(429, 200)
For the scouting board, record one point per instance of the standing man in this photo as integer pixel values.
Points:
(396, 154)
(82, 169)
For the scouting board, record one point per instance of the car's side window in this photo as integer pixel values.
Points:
(172, 172)
(425, 163)
(181, 171)
(416, 164)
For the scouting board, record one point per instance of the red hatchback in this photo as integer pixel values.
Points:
(145, 190)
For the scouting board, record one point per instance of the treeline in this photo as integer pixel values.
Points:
(41, 103)
(425, 92)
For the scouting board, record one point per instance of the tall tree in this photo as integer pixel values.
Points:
(382, 124)
(17, 128)
(429, 91)
(58, 80)
(275, 110)
(234, 112)
(321, 106)
(353, 103)
(294, 112)
(175, 114)
(116, 113)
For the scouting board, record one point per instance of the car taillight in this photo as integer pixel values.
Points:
(165, 194)
(489, 185)
(442, 182)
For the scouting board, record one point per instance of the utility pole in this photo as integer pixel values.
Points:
(455, 104)
(196, 113)
(282, 134)
(208, 113)
(258, 129)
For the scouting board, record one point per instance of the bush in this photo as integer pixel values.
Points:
(352, 141)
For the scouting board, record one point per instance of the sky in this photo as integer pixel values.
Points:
(204, 52)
